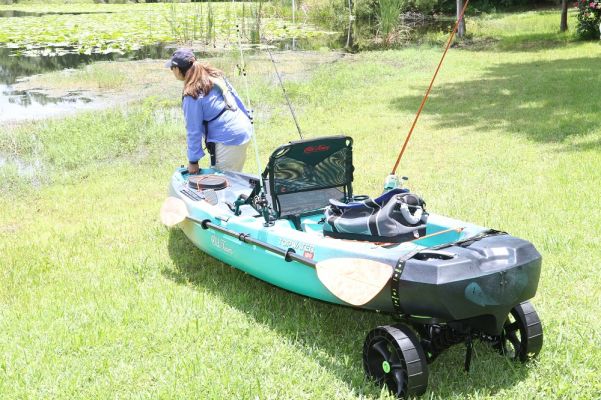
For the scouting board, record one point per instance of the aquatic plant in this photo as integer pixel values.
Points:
(122, 28)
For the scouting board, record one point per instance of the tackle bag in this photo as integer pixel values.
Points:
(396, 216)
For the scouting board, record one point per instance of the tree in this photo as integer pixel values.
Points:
(563, 25)
(461, 27)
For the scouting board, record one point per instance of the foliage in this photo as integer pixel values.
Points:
(116, 28)
(589, 19)
(390, 23)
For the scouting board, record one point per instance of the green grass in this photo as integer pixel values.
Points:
(530, 30)
(98, 300)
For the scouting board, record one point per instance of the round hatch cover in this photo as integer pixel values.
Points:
(202, 182)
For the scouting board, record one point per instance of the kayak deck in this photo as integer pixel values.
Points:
(243, 184)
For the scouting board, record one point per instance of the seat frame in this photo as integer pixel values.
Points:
(268, 176)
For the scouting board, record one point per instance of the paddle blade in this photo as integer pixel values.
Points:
(173, 211)
(354, 280)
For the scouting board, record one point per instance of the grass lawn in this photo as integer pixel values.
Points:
(99, 300)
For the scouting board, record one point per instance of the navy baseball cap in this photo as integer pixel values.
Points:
(181, 58)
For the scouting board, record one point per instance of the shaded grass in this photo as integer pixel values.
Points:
(534, 97)
(512, 32)
(99, 300)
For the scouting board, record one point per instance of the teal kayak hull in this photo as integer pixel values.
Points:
(486, 275)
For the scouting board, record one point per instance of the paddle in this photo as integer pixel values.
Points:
(353, 280)
(173, 211)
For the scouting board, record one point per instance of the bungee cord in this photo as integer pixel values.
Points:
(398, 160)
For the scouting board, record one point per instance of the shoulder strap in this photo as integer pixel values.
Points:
(228, 97)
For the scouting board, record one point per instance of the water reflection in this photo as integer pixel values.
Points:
(29, 97)
(330, 42)
(14, 66)
(420, 25)
(17, 13)
(19, 105)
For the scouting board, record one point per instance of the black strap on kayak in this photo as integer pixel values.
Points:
(396, 279)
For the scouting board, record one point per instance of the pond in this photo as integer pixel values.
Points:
(36, 39)
(16, 105)
(421, 25)
(18, 13)
(39, 40)
(34, 104)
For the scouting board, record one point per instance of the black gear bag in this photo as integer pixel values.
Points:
(396, 216)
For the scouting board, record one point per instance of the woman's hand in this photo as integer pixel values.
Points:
(193, 168)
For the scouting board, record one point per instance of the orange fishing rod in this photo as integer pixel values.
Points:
(398, 160)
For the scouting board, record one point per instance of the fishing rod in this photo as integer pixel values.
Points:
(285, 93)
(419, 111)
(250, 112)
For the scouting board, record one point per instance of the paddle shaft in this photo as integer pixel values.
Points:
(289, 255)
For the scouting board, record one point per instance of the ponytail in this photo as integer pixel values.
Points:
(197, 79)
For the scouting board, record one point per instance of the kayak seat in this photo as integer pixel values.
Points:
(302, 176)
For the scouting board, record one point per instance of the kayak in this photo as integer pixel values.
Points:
(449, 283)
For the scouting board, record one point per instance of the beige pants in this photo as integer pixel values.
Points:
(230, 158)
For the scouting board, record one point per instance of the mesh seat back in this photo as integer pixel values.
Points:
(303, 175)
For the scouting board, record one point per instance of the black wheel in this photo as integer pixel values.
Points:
(392, 356)
(522, 336)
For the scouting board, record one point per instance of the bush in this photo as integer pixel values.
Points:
(589, 18)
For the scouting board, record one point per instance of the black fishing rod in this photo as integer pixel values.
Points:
(285, 93)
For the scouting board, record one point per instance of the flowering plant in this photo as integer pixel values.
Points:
(589, 19)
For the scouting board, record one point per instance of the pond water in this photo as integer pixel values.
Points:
(17, 13)
(421, 25)
(35, 104)
(18, 105)
(19, 63)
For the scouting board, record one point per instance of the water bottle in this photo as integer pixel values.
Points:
(391, 182)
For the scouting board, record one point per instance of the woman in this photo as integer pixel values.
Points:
(213, 112)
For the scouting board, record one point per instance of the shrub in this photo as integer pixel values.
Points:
(589, 18)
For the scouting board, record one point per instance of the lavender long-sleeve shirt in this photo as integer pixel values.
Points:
(230, 128)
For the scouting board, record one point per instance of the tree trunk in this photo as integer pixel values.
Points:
(563, 26)
(461, 27)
